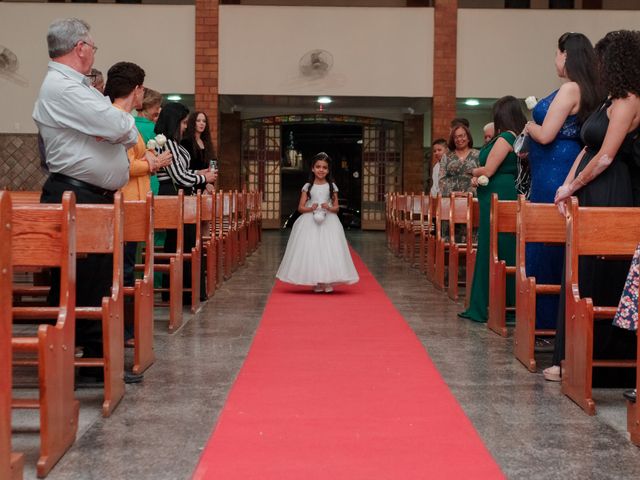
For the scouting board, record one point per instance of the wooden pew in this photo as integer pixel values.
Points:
(225, 233)
(462, 212)
(242, 227)
(598, 231)
(168, 214)
(254, 200)
(138, 227)
(398, 224)
(430, 239)
(25, 197)
(426, 223)
(535, 222)
(193, 216)
(45, 236)
(441, 242)
(11, 464)
(503, 220)
(413, 227)
(209, 239)
(100, 230)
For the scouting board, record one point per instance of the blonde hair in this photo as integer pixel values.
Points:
(151, 98)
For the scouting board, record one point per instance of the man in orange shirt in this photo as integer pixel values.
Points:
(125, 89)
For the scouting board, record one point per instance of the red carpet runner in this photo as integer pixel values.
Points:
(337, 386)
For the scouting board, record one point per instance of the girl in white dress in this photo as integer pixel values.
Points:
(317, 253)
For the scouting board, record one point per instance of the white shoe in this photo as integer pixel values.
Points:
(318, 288)
(553, 374)
(328, 289)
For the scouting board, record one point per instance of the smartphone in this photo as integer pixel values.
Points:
(213, 165)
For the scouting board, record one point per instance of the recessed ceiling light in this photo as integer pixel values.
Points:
(324, 100)
(174, 98)
(472, 102)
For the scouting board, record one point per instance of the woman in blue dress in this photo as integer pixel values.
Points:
(555, 135)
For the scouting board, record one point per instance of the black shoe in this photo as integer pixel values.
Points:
(130, 377)
(631, 395)
(91, 377)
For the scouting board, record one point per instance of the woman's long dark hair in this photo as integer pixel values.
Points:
(205, 136)
(581, 66)
(508, 115)
(312, 176)
(169, 120)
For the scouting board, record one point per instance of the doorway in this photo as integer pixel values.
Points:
(342, 142)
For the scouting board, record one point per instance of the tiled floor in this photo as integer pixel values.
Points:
(161, 426)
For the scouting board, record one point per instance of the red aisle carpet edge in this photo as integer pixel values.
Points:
(337, 386)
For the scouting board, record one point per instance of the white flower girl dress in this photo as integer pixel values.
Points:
(317, 251)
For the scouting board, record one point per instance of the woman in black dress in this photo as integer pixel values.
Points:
(601, 176)
(197, 141)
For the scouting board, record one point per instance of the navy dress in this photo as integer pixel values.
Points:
(550, 165)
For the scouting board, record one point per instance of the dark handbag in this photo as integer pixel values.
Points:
(523, 180)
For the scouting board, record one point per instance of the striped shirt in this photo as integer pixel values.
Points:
(178, 172)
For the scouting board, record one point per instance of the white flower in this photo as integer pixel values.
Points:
(152, 144)
(161, 140)
(319, 215)
(531, 102)
(483, 180)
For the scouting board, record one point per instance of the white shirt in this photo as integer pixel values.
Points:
(435, 178)
(85, 137)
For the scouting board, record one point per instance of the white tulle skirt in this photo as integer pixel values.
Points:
(317, 253)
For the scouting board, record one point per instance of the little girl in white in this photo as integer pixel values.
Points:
(317, 253)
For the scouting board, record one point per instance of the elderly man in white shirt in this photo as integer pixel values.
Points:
(85, 141)
(85, 137)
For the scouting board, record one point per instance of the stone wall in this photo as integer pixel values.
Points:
(20, 162)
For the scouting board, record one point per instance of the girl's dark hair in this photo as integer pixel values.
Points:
(452, 143)
(581, 66)
(620, 62)
(169, 120)
(205, 136)
(508, 115)
(316, 158)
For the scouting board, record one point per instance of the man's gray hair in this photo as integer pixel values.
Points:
(64, 34)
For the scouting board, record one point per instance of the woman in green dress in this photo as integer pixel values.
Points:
(499, 164)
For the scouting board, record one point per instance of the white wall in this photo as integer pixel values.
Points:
(376, 51)
(511, 52)
(159, 38)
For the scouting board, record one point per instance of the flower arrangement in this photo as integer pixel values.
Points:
(531, 102)
(157, 143)
(483, 180)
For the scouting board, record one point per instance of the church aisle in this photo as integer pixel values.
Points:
(337, 386)
(162, 425)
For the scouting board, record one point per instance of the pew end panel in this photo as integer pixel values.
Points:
(588, 234)
(169, 215)
(540, 223)
(503, 220)
(11, 463)
(139, 228)
(45, 235)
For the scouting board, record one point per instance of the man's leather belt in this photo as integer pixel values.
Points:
(59, 177)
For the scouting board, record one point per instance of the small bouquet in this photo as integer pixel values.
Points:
(483, 180)
(158, 143)
(319, 214)
(531, 102)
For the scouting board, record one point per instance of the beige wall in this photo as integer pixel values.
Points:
(157, 37)
(376, 51)
(511, 52)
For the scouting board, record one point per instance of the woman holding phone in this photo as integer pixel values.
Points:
(197, 141)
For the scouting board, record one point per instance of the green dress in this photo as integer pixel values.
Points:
(146, 129)
(503, 182)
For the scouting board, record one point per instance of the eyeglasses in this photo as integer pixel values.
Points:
(95, 49)
(462, 136)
